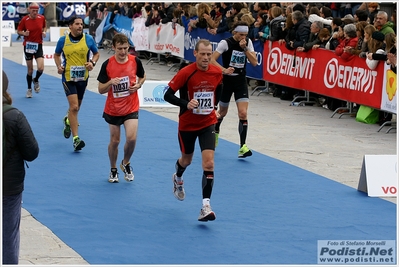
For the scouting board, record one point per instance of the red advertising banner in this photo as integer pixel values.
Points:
(321, 71)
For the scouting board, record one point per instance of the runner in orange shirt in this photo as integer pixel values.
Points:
(121, 76)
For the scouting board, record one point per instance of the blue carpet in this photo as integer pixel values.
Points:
(268, 211)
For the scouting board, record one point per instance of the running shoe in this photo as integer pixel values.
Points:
(216, 139)
(29, 93)
(128, 170)
(113, 176)
(67, 127)
(178, 188)
(206, 214)
(36, 86)
(244, 152)
(78, 144)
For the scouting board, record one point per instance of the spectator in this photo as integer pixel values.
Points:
(315, 28)
(224, 7)
(361, 15)
(259, 7)
(335, 10)
(177, 17)
(185, 17)
(277, 24)
(326, 13)
(314, 15)
(360, 37)
(203, 15)
(232, 13)
(216, 19)
(368, 32)
(302, 30)
(348, 19)
(137, 11)
(154, 17)
(168, 12)
(323, 36)
(147, 11)
(334, 41)
(19, 145)
(393, 20)
(388, 45)
(392, 60)
(349, 42)
(376, 54)
(261, 27)
(373, 10)
(300, 7)
(289, 30)
(382, 24)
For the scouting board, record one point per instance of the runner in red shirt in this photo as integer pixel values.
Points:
(33, 28)
(118, 78)
(199, 86)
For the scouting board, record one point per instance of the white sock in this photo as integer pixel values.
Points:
(206, 201)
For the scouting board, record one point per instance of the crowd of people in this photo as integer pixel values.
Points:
(346, 28)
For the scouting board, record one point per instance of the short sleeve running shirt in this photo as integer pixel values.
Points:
(35, 27)
(75, 53)
(119, 101)
(201, 86)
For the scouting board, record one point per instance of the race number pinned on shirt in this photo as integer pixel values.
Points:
(205, 103)
(77, 73)
(237, 59)
(31, 47)
(121, 89)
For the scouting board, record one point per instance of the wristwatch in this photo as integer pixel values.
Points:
(93, 62)
(245, 49)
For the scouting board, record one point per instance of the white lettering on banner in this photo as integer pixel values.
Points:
(335, 75)
(284, 63)
(80, 9)
(190, 42)
(348, 77)
(259, 58)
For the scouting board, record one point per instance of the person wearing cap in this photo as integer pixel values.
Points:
(348, 44)
(348, 19)
(376, 50)
(382, 24)
(74, 66)
(33, 28)
(389, 46)
(235, 51)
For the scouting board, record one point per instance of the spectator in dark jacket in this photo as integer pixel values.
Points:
(154, 17)
(168, 11)
(315, 28)
(19, 145)
(302, 30)
(277, 24)
(337, 36)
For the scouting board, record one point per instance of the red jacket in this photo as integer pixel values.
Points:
(339, 51)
